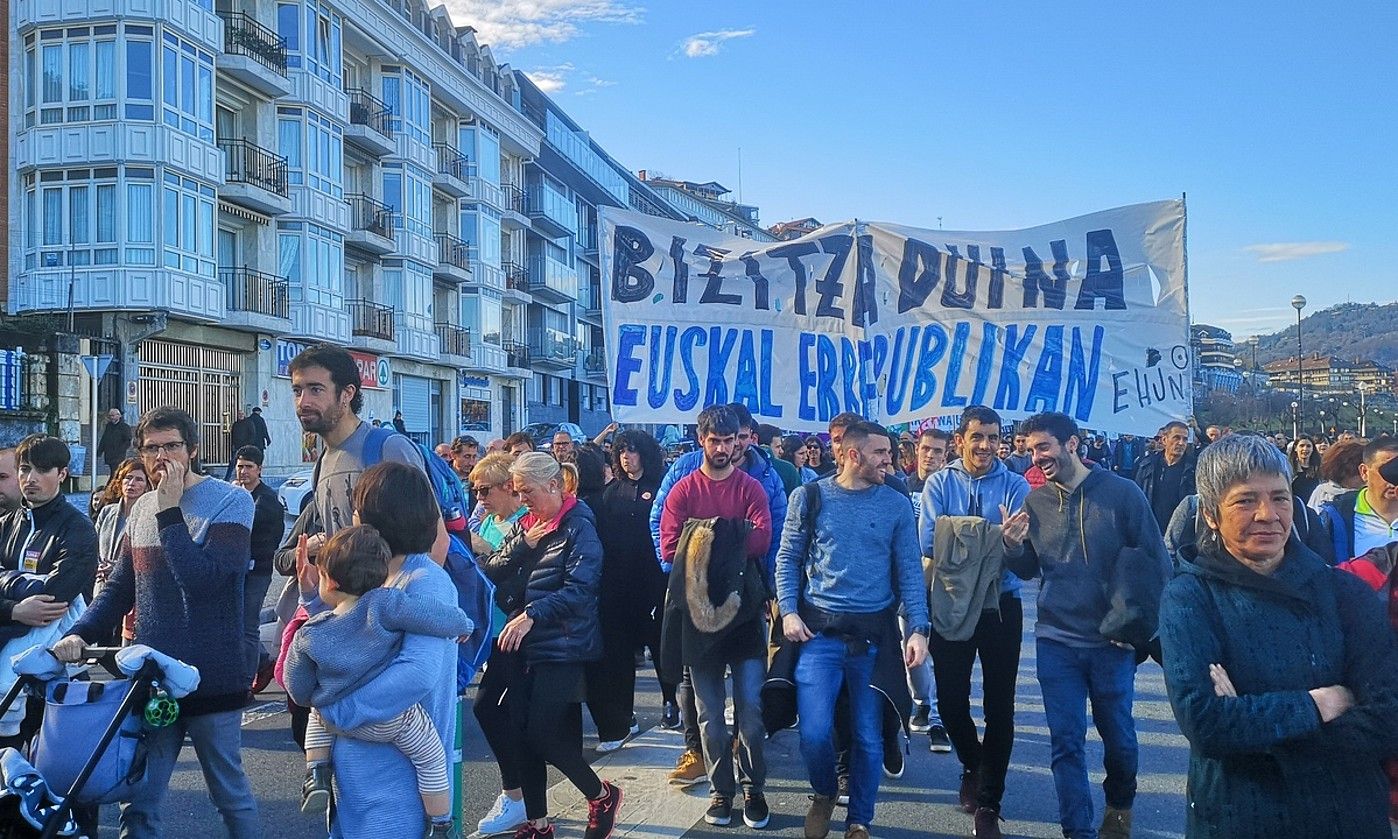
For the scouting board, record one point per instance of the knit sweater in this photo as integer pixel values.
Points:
(334, 653)
(697, 496)
(859, 556)
(183, 570)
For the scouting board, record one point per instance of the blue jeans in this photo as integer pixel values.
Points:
(1069, 678)
(709, 696)
(825, 664)
(217, 742)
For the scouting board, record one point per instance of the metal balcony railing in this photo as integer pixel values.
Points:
(370, 215)
(455, 340)
(514, 198)
(517, 354)
(371, 320)
(248, 163)
(257, 292)
(243, 35)
(452, 162)
(452, 250)
(594, 361)
(553, 345)
(516, 276)
(365, 109)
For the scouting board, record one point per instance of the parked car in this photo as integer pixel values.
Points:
(295, 494)
(543, 432)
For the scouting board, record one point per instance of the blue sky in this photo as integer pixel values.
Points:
(1276, 120)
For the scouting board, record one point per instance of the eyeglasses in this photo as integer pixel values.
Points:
(157, 449)
(483, 490)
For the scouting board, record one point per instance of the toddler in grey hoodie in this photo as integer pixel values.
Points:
(337, 651)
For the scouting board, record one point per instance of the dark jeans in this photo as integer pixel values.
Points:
(996, 641)
(1069, 678)
(710, 694)
(689, 714)
(254, 592)
(611, 681)
(532, 719)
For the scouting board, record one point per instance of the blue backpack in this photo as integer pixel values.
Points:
(475, 593)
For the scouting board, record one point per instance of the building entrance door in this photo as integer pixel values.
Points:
(203, 381)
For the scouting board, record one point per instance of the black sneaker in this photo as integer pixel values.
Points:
(601, 814)
(755, 812)
(315, 791)
(720, 810)
(670, 718)
(940, 742)
(893, 759)
(842, 790)
(441, 830)
(920, 721)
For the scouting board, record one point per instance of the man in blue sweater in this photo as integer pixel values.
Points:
(1080, 526)
(840, 580)
(182, 565)
(749, 457)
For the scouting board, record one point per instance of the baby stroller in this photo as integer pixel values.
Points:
(90, 745)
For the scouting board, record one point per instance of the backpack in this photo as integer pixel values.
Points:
(475, 593)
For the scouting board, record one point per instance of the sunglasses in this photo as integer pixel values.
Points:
(483, 490)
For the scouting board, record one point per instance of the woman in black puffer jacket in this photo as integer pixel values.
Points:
(547, 573)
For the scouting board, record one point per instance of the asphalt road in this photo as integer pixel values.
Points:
(920, 804)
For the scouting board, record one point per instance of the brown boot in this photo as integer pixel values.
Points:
(1116, 824)
(689, 770)
(856, 831)
(818, 817)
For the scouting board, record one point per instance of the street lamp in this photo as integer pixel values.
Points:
(1253, 342)
(1363, 412)
(1298, 303)
(1295, 422)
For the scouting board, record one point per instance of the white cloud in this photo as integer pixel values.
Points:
(510, 24)
(709, 43)
(1287, 251)
(550, 79)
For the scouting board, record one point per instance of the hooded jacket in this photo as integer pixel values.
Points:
(1338, 517)
(952, 491)
(756, 464)
(556, 582)
(1262, 764)
(1076, 541)
(49, 549)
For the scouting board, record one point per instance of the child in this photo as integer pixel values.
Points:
(337, 651)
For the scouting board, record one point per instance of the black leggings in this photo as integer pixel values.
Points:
(611, 681)
(532, 719)
(996, 640)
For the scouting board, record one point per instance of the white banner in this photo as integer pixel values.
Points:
(1087, 316)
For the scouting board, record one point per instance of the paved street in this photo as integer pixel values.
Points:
(920, 804)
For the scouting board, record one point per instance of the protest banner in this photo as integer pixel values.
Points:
(1088, 316)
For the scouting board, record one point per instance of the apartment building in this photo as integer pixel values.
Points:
(213, 186)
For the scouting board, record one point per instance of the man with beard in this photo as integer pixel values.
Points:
(1080, 527)
(10, 496)
(325, 383)
(931, 457)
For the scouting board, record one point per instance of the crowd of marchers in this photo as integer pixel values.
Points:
(845, 586)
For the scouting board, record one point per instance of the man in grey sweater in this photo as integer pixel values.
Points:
(840, 579)
(1081, 524)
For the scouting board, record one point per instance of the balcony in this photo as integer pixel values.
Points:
(481, 191)
(551, 212)
(254, 177)
(256, 299)
(453, 259)
(595, 363)
(590, 303)
(514, 213)
(254, 55)
(368, 128)
(516, 283)
(455, 342)
(552, 281)
(454, 171)
(371, 225)
(516, 354)
(552, 348)
(371, 320)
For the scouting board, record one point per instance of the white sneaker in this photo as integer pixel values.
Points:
(635, 725)
(608, 746)
(504, 816)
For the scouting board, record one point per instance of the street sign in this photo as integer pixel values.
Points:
(96, 365)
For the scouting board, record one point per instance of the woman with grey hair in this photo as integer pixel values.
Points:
(1282, 671)
(547, 572)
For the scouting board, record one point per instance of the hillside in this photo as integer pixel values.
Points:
(1349, 330)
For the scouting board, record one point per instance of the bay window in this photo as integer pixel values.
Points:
(313, 145)
(70, 74)
(312, 259)
(409, 101)
(71, 217)
(187, 225)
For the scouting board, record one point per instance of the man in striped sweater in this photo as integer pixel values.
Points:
(182, 565)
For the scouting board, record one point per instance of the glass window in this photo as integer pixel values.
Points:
(53, 74)
(106, 213)
(393, 189)
(138, 79)
(79, 73)
(488, 167)
(79, 215)
(289, 145)
(289, 27)
(53, 216)
(140, 221)
(106, 69)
